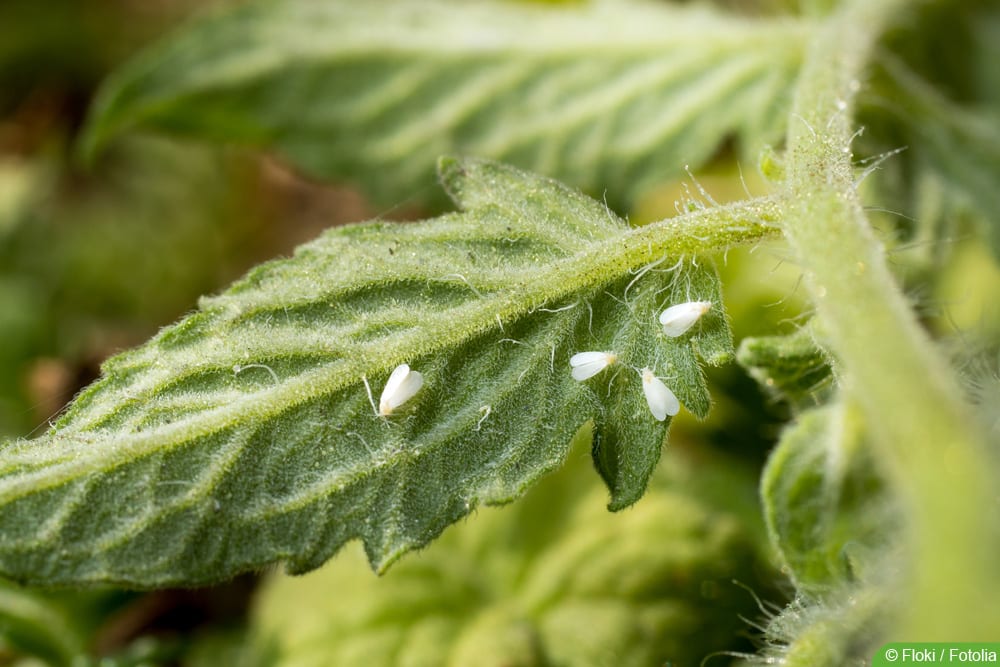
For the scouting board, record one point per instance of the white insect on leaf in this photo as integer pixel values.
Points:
(676, 320)
(401, 386)
(588, 364)
(660, 399)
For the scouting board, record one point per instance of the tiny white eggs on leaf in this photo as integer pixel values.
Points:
(676, 320)
(399, 388)
(588, 364)
(660, 399)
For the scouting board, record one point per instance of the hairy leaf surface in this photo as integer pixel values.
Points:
(245, 435)
(791, 367)
(825, 502)
(611, 95)
(840, 628)
(832, 519)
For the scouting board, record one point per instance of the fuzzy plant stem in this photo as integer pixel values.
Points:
(926, 436)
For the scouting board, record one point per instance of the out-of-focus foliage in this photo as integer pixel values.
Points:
(79, 251)
(611, 96)
(78, 260)
(96, 260)
(940, 105)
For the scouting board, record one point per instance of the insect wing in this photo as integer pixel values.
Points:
(676, 320)
(401, 386)
(588, 364)
(660, 399)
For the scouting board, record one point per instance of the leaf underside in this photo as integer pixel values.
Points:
(791, 367)
(825, 501)
(611, 95)
(243, 435)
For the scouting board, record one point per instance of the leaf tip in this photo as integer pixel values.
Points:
(92, 140)
(446, 163)
(619, 503)
(102, 122)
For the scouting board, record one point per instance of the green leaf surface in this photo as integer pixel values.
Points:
(826, 505)
(610, 95)
(625, 451)
(244, 435)
(791, 367)
(836, 526)
(552, 580)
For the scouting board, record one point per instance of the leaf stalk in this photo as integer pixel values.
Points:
(927, 438)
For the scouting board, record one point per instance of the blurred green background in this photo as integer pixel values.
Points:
(96, 258)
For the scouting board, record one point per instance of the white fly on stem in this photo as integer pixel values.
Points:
(588, 364)
(676, 320)
(659, 398)
(401, 386)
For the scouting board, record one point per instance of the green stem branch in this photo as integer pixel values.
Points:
(927, 437)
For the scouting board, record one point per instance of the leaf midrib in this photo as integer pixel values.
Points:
(637, 43)
(639, 40)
